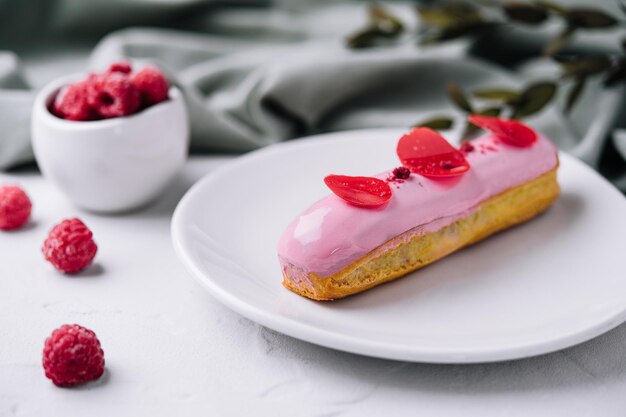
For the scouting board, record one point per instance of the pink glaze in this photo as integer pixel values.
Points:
(331, 234)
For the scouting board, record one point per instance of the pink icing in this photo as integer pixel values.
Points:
(331, 234)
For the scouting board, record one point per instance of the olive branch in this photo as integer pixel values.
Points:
(441, 23)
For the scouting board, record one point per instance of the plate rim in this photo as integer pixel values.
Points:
(351, 344)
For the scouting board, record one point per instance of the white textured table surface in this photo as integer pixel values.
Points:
(173, 350)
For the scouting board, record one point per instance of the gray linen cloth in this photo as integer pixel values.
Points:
(253, 76)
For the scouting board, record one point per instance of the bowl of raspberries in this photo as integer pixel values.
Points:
(111, 141)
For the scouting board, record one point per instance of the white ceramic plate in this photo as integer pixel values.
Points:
(548, 284)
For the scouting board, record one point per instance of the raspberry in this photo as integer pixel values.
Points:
(72, 355)
(71, 103)
(466, 147)
(113, 95)
(121, 66)
(152, 84)
(70, 246)
(14, 207)
(401, 173)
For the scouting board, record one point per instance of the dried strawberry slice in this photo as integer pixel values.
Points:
(510, 132)
(360, 191)
(427, 153)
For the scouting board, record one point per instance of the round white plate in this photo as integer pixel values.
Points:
(553, 282)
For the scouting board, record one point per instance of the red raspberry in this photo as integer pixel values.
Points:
(401, 173)
(72, 355)
(113, 95)
(70, 246)
(14, 207)
(152, 84)
(466, 147)
(121, 66)
(71, 103)
(93, 93)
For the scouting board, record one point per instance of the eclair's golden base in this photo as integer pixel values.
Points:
(497, 213)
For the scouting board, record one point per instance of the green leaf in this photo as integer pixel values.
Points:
(449, 15)
(551, 7)
(533, 99)
(437, 123)
(574, 94)
(491, 111)
(381, 17)
(451, 21)
(470, 131)
(578, 66)
(563, 58)
(462, 10)
(501, 94)
(589, 18)
(435, 17)
(382, 25)
(458, 97)
(525, 12)
(556, 44)
(364, 38)
(455, 32)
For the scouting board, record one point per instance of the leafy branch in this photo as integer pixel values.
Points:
(451, 21)
(454, 20)
(448, 21)
(515, 104)
(382, 25)
(579, 68)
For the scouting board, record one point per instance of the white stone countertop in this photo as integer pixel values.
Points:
(172, 350)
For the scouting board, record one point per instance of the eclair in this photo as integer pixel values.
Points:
(439, 199)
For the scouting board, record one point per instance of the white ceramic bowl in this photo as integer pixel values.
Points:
(111, 165)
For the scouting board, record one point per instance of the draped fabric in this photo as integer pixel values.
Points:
(254, 74)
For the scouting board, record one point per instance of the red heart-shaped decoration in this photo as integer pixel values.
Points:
(427, 153)
(360, 191)
(510, 132)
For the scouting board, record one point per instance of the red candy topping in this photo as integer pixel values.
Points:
(72, 355)
(152, 85)
(510, 132)
(15, 207)
(427, 153)
(360, 191)
(70, 246)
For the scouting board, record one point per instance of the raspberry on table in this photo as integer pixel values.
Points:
(113, 95)
(15, 207)
(72, 355)
(120, 66)
(72, 103)
(152, 85)
(70, 246)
